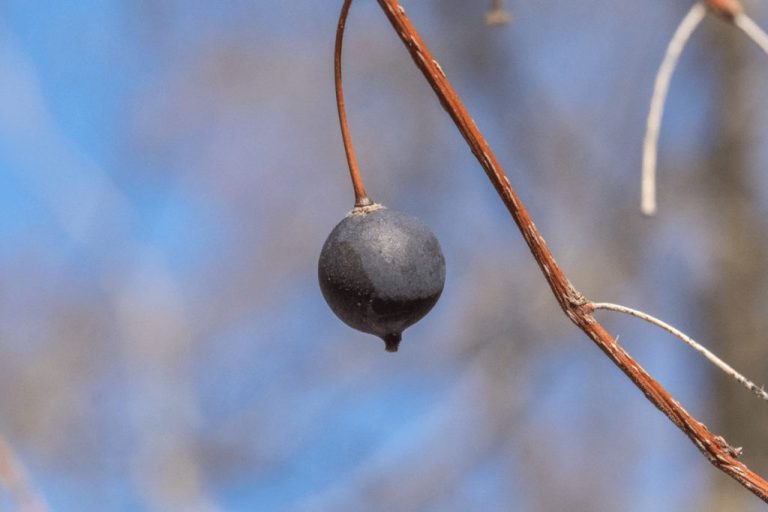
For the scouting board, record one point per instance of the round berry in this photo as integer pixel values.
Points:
(381, 271)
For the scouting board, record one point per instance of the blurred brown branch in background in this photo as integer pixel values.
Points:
(150, 314)
(14, 481)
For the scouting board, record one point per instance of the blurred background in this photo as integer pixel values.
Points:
(169, 171)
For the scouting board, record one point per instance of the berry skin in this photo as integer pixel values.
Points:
(381, 271)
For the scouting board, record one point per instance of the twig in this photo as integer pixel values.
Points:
(656, 111)
(752, 29)
(712, 358)
(361, 198)
(573, 303)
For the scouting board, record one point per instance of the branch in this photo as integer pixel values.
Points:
(573, 303)
(711, 357)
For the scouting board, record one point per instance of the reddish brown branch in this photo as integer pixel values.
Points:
(573, 303)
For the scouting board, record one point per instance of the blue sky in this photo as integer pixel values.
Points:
(168, 173)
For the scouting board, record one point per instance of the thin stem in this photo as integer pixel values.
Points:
(660, 90)
(575, 306)
(752, 29)
(361, 198)
(712, 358)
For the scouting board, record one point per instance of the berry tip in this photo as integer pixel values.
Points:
(392, 341)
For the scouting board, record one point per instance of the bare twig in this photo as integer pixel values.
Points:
(712, 358)
(659, 98)
(573, 303)
(752, 29)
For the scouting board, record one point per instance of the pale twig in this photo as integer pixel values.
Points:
(752, 29)
(712, 358)
(660, 90)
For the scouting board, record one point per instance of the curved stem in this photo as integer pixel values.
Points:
(729, 10)
(660, 88)
(711, 357)
(361, 198)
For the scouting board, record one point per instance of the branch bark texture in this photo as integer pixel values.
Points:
(573, 303)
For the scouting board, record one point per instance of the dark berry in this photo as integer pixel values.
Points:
(381, 271)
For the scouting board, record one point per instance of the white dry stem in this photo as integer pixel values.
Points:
(660, 90)
(752, 29)
(712, 358)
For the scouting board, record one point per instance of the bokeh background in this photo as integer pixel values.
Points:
(170, 169)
